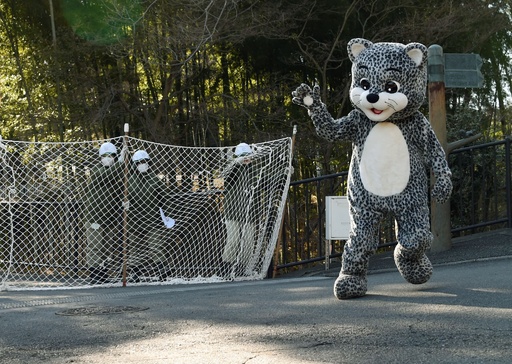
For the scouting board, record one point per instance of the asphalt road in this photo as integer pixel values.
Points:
(462, 315)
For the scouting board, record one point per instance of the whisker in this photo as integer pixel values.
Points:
(390, 105)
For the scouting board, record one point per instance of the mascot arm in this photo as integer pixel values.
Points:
(436, 160)
(326, 126)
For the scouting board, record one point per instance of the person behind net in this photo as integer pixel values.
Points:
(148, 234)
(103, 214)
(240, 180)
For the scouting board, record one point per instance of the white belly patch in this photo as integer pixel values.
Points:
(385, 164)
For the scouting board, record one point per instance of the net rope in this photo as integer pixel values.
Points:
(195, 215)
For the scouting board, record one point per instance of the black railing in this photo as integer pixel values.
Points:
(482, 188)
(481, 201)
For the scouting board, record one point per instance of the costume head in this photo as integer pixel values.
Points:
(141, 160)
(242, 150)
(107, 152)
(388, 79)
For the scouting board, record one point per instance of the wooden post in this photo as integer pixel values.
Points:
(440, 213)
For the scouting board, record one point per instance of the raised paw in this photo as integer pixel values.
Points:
(349, 286)
(305, 96)
(414, 270)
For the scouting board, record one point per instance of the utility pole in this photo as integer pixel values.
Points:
(452, 70)
(440, 213)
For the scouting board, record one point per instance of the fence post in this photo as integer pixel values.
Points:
(440, 213)
(125, 202)
(508, 184)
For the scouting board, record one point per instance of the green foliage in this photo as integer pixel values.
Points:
(215, 73)
(102, 22)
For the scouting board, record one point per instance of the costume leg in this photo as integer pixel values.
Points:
(361, 245)
(138, 254)
(155, 243)
(247, 246)
(156, 246)
(135, 248)
(94, 235)
(232, 241)
(414, 238)
(111, 246)
(95, 256)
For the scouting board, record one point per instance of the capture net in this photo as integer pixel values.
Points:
(154, 214)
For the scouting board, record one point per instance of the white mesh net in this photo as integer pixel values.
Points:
(195, 215)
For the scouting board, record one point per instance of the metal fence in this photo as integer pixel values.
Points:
(481, 201)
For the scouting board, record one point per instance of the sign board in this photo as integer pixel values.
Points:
(337, 218)
(462, 70)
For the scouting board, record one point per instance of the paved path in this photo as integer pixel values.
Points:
(462, 315)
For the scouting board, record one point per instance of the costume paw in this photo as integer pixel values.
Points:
(415, 270)
(306, 97)
(442, 189)
(349, 286)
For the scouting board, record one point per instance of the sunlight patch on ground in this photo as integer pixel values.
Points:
(492, 290)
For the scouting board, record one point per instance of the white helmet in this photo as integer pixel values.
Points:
(243, 149)
(140, 155)
(107, 148)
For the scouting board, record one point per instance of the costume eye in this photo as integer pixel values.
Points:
(392, 87)
(365, 84)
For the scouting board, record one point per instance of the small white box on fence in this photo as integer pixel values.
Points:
(337, 219)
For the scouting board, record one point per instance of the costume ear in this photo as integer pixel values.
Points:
(417, 52)
(356, 46)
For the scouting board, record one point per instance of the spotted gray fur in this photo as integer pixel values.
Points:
(374, 66)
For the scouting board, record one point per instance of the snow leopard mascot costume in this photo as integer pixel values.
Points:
(394, 149)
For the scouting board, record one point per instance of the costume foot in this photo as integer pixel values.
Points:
(349, 286)
(415, 270)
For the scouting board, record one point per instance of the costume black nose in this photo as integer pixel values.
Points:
(372, 98)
